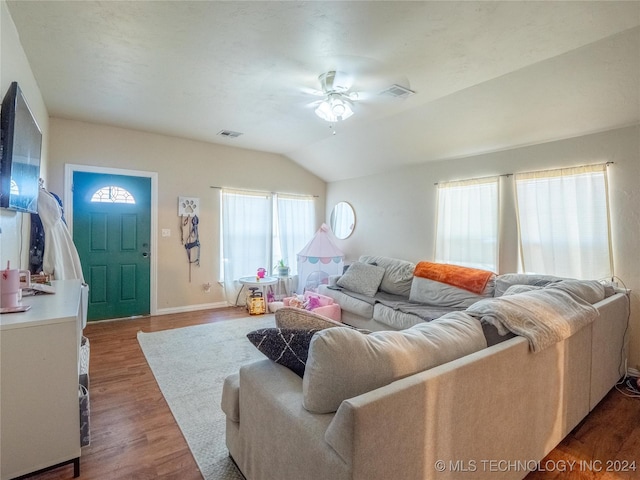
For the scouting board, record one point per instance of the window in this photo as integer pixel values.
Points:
(467, 223)
(563, 222)
(112, 194)
(258, 229)
(293, 228)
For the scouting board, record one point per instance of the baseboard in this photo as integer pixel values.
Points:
(167, 311)
(191, 308)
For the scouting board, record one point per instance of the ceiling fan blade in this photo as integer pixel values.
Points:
(312, 91)
(313, 104)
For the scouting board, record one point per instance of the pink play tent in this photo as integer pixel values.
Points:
(319, 259)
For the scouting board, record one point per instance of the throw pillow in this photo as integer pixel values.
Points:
(398, 274)
(287, 346)
(362, 278)
(343, 363)
(295, 318)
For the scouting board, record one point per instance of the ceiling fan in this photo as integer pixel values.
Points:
(338, 100)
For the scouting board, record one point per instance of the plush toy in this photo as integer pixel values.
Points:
(297, 302)
(312, 303)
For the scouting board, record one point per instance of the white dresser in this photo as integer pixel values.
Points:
(39, 416)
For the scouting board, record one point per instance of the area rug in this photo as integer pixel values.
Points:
(190, 365)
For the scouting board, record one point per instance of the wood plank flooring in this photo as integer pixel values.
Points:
(134, 435)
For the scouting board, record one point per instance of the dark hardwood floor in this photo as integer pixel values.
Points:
(134, 435)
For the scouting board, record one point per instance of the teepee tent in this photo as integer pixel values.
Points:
(319, 259)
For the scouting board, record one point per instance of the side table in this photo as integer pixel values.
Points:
(256, 282)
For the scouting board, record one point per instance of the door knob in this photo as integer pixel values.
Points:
(145, 254)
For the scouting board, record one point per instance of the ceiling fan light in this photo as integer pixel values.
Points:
(338, 108)
(343, 111)
(334, 108)
(324, 112)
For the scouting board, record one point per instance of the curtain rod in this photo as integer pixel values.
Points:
(606, 164)
(264, 191)
(477, 178)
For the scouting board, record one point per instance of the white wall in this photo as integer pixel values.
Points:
(185, 168)
(14, 67)
(395, 211)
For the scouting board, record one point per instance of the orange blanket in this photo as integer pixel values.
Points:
(472, 279)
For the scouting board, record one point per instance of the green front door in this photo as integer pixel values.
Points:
(112, 231)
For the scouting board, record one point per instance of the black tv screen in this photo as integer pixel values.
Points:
(21, 151)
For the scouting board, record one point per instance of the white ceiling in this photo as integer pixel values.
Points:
(487, 75)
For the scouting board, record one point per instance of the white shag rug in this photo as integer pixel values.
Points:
(190, 365)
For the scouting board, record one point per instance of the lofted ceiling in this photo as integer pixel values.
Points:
(487, 75)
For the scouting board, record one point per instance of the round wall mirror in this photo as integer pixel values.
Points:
(343, 220)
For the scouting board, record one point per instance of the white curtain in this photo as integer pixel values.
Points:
(246, 236)
(295, 225)
(563, 222)
(467, 223)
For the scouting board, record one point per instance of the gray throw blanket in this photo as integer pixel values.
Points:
(543, 317)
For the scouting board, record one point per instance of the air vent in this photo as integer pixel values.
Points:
(229, 133)
(397, 91)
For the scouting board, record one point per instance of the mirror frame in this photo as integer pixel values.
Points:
(351, 221)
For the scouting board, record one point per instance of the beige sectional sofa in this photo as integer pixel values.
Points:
(492, 413)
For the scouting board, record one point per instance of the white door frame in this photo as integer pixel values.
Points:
(70, 168)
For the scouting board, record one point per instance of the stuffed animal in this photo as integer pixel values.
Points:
(312, 303)
(297, 302)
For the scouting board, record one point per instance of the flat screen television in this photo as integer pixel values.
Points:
(21, 150)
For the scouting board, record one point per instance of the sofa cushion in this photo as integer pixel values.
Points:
(287, 346)
(351, 302)
(362, 278)
(403, 315)
(344, 363)
(503, 282)
(398, 274)
(431, 292)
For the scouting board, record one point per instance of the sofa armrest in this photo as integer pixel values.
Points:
(230, 402)
(609, 346)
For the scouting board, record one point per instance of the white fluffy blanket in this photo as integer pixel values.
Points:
(543, 317)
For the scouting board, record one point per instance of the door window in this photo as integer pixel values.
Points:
(112, 194)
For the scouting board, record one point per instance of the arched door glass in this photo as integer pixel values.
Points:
(112, 194)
